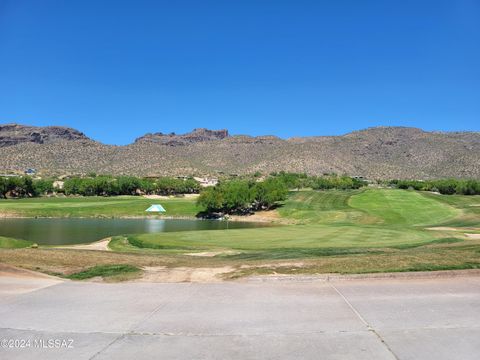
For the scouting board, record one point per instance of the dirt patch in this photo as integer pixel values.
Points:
(473, 236)
(271, 216)
(444, 274)
(101, 245)
(214, 253)
(191, 196)
(9, 214)
(12, 271)
(156, 197)
(183, 274)
(297, 264)
(447, 228)
(15, 281)
(185, 196)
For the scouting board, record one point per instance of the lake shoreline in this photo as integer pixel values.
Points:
(84, 230)
(236, 218)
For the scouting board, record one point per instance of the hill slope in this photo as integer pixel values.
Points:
(382, 152)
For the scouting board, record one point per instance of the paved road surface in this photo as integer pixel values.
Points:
(355, 319)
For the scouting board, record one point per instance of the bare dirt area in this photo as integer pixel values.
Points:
(473, 236)
(271, 216)
(185, 196)
(296, 264)
(15, 281)
(213, 253)
(12, 271)
(447, 228)
(9, 215)
(101, 245)
(183, 274)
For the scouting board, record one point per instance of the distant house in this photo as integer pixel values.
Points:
(58, 184)
(205, 182)
(30, 171)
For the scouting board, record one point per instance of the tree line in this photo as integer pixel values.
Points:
(129, 185)
(102, 185)
(442, 186)
(325, 182)
(233, 195)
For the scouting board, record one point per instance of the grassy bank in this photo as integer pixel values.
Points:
(10, 243)
(110, 272)
(119, 206)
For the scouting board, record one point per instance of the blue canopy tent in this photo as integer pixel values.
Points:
(156, 208)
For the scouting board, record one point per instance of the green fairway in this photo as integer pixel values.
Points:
(283, 242)
(402, 207)
(468, 205)
(322, 207)
(120, 206)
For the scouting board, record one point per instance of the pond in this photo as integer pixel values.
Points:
(77, 231)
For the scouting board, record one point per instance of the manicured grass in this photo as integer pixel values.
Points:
(104, 271)
(120, 206)
(10, 243)
(402, 207)
(369, 230)
(468, 205)
(282, 237)
(322, 207)
(371, 221)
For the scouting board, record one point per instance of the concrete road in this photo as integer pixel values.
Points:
(354, 319)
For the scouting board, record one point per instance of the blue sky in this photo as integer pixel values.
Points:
(118, 69)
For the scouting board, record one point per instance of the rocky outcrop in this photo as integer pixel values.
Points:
(13, 134)
(172, 139)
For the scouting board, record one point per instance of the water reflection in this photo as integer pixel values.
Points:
(154, 226)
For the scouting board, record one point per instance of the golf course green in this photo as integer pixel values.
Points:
(328, 222)
(357, 231)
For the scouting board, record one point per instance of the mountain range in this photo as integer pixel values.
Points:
(377, 153)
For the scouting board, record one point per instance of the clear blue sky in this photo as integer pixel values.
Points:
(118, 69)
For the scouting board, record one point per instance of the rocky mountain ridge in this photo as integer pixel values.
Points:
(13, 134)
(381, 152)
(172, 139)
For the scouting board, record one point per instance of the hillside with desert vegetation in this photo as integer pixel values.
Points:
(377, 153)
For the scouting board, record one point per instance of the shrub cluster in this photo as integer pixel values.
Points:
(24, 186)
(98, 186)
(129, 185)
(443, 186)
(242, 196)
(326, 182)
(336, 182)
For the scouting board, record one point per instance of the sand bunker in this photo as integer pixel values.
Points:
(101, 245)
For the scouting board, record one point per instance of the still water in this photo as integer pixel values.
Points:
(76, 231)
